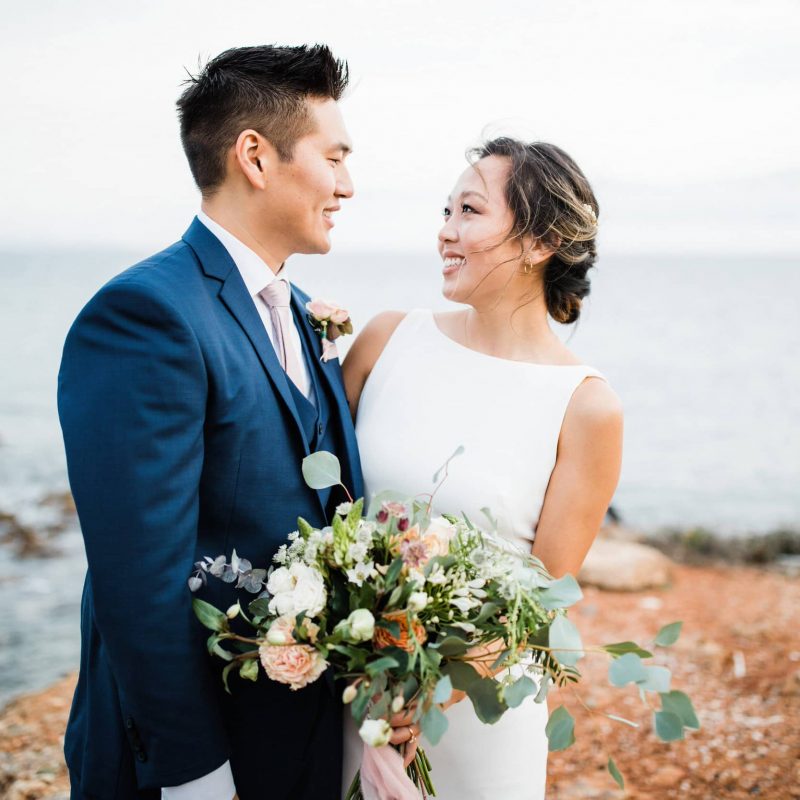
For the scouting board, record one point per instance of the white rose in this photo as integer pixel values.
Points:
(375, 732)
(417, 601)
(361, 625)
(280, 581)
(309, 589)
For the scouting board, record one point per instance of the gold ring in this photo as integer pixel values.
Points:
(412, 735)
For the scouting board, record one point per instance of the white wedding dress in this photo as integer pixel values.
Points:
(426, 396)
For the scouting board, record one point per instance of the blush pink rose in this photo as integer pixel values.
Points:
(322, 310)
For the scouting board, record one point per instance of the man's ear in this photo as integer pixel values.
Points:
(255, 157)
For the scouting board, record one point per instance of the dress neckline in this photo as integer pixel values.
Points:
(431, 317)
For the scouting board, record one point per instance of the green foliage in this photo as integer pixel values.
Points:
(485, 696)
(669, 727)
(211, 617)
(249, 670)
(433, 724)
(560, 730)
(620, 648)
(669, 634)
(462, 674)
(565, 639)
(450, 646)
(443, 690)
(321, 470)
(382, 664)
(303, 528)
(679, 704)
(626, 669)
(561, 593)
(615, 773)
(657, 679)
(521, 688)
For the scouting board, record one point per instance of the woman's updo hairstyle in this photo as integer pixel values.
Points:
(552, 202)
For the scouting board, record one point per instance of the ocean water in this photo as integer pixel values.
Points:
(702, 351)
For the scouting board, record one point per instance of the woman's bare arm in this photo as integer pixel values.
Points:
(583, 480)
(364, 354)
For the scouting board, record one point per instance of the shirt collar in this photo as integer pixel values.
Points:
(254, 271)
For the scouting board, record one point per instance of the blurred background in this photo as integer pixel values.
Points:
(684, 116)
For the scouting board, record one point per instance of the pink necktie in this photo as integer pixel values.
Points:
(276, 295)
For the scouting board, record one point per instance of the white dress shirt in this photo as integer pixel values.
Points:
(257, 275)
(219, 785)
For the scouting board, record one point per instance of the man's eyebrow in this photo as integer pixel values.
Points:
(468, 192)
(345, 148)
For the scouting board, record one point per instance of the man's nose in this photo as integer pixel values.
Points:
(344, 184)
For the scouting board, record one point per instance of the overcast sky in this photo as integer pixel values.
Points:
(683, 114)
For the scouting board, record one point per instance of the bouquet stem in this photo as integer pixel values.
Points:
(419, 770)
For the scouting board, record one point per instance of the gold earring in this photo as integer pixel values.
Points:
(527, 267)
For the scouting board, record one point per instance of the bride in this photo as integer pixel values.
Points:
(542, 432)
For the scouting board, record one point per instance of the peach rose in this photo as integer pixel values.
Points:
(287, 662)
(384, 637)
(296, 664)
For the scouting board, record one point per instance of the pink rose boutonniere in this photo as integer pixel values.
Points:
(330, 322)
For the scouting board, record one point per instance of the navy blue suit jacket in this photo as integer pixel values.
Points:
(183, 440)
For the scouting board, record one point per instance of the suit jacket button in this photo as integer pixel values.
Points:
(129, 723)
(141, 755)
(320, 429)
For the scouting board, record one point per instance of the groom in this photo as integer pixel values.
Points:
(190, 390)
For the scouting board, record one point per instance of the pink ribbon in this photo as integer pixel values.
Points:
(329, 350)
(383, 776)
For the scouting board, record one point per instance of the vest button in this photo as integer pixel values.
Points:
(320, 429)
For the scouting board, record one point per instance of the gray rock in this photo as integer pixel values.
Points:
(624, 566)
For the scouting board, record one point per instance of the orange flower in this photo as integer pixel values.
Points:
(384, 637)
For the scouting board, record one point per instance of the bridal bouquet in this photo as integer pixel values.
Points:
(406, 608)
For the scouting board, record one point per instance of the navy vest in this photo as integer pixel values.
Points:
(320, 427)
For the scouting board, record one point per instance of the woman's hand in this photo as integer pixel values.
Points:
(405, 732)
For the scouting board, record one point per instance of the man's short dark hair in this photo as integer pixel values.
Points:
(264, 88)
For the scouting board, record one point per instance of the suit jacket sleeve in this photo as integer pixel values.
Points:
(132, 400)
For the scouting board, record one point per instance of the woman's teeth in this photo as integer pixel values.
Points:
(454, 262)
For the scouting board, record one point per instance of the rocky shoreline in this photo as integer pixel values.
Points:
(738, 658)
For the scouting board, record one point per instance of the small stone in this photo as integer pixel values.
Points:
(624, 566)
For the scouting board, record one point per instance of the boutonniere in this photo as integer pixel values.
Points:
(330, 322)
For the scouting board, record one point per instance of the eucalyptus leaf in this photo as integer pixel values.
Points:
(487, 610)
(211, 617)
(544, 687)
(451, 646)
(669, 727)
(679, 704)
(384, 663)
(615, 773)
(656, 679)
(560, 729)
(565, 641)
(434, 724)
(486, 700)
(486, 511)
(669, 634)
(626, 669)
(462, 674)
(443, 690)
(521, 688)
(620, 648)
(561, 593)
(322, 470)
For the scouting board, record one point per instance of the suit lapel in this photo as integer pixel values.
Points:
(217, 263)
